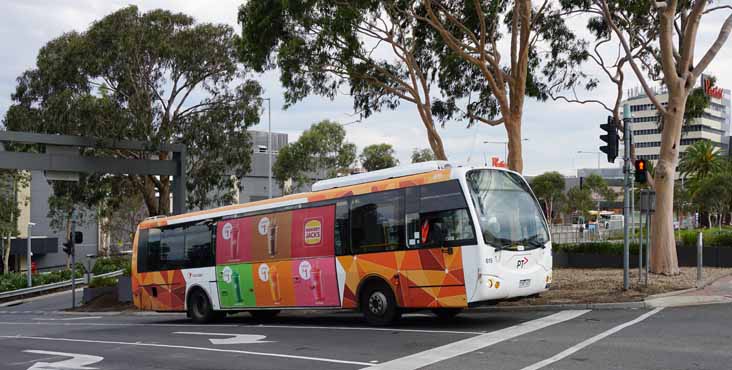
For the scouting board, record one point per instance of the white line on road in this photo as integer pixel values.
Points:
(77, 361)
(461, 347)
(233, 338)
(67, 319)
(140, 344)
(247, 326)
(585, 343)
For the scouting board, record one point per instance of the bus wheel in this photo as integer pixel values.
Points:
(264, 315)
(446, 313)
(379, 305)
(200, 309)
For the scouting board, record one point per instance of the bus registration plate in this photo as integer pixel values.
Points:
(524, 283)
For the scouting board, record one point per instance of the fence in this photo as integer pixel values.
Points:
(581, 233)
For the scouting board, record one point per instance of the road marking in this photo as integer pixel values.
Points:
(141, 344)
(426, 331)
(370, 329)
(76, 362)
(67, 319)
(454, 349)
(585, 343)
(234, 338)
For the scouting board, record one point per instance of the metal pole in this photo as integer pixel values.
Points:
(640, 248)
(28, 256)
(269, 145)
(699, 262)
(648, 236)
(632, 210)
(73, 262)
(505, 153)
(627, 195)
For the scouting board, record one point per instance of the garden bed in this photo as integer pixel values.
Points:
(572, 285)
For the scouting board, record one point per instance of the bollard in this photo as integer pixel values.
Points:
(699, 262)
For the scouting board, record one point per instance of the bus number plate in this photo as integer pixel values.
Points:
(524, 283)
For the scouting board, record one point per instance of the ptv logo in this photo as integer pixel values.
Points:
(522, 262)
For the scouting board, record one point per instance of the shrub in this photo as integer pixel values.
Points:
(110, 264)
(14, 281)
(605, 248)
(101, 282)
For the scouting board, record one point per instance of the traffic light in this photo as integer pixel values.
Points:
(640, 171)
(611, 139)
(68, 247)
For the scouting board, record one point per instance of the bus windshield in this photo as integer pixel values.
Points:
(507, 211)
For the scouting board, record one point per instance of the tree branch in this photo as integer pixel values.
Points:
(714, 49)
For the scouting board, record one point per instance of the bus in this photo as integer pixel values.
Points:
(433, 235)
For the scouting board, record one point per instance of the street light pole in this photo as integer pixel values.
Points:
(29, 254)
(269, 145)
(599, 156)
(505, 146)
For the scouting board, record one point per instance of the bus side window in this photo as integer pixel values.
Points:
(342, 239)
(152, 254)
(142, 237)
(377, 222)
(199, 246)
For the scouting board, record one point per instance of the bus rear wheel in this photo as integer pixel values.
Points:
(378, 305)
(446, 313)
(200, 309)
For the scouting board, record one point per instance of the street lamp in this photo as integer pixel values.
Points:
(599, 156)
(505, 143)
(29, 254)
(269, 145)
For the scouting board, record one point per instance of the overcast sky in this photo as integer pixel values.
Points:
(555, 131)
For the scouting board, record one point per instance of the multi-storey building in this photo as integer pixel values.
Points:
(713, 125)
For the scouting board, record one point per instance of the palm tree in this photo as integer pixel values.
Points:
(700, 159)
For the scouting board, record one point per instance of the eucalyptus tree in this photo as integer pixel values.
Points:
(658, 42)
(373, 49)
(492, 53)
(549, 188)
(158, 77)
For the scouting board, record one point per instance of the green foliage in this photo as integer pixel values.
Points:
(606, 248)
(10, 182)
(422, 155)
(377, 157)
(549, 189)
(712, 237)
(320, 150)
(157, 77)
(14, 281)
(700, 159)
(110, 264)
(579, 200)
(102, 282)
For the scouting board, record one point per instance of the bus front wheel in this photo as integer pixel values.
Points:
(378, 305)
(200, 309)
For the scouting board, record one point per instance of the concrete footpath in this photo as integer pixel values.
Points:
(719, 291)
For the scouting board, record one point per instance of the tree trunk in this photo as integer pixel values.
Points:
(663, 243)
(513, 130)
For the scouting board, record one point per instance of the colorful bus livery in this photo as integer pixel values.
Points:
(426, 236)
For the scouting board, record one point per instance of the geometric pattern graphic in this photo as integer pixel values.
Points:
(159, 290)
(419, 278)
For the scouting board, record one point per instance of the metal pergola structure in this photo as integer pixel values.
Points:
(74, 163)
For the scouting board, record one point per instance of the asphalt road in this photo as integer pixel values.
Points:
(35, 337)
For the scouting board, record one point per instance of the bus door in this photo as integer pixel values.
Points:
(437, 226)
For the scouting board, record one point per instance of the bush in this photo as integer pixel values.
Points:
(14, 281)
(712, 237)
(605, 248)
(110, 264)
(101, 282)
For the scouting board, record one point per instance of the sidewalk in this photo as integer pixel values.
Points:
(719, 291)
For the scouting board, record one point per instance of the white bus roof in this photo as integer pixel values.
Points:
(387, 173)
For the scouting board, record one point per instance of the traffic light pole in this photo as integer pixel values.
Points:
(626, 198)
(73, 261)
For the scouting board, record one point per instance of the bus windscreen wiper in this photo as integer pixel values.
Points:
(534, 241)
